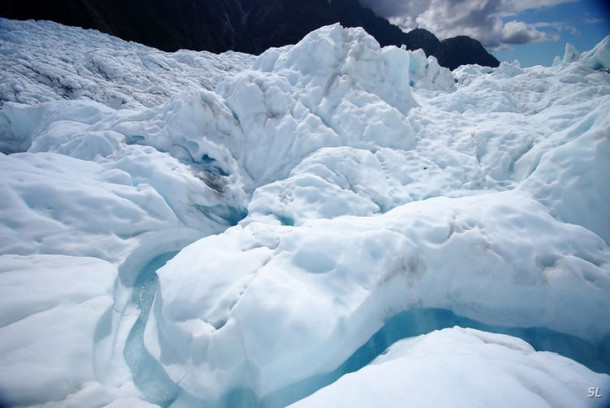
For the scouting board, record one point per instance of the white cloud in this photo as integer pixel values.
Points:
(484, 20)
(558, 26)
(518, 32)
(517, 6)
(595, 20)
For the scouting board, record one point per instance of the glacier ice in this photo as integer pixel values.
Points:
(599, 57)
(436, 370)
(50, 308)
(329, 223)
(439, 253)
(53, 62)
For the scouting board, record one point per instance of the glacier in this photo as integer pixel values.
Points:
(331, 223)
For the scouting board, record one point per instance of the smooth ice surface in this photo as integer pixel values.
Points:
(192, 229)
(49, 308)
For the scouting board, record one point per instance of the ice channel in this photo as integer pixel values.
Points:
(147, 372)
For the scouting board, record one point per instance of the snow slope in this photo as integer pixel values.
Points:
(193, 229)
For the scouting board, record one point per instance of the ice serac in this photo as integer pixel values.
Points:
(283, 227)
(599, 57)
(336, 87)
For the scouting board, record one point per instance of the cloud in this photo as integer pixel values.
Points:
(518, 32)
(595, 20)
(558, 26)
(485, 20)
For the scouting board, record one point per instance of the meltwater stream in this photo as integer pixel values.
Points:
(148, 374)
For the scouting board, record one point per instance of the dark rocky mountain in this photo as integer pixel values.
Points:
(249, 26)
(454, 49)
(424, 39)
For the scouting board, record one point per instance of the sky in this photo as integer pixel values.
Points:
(531, 31)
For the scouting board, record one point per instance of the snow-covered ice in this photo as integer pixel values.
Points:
(327, 224)
(46, 61)
(444, 369)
